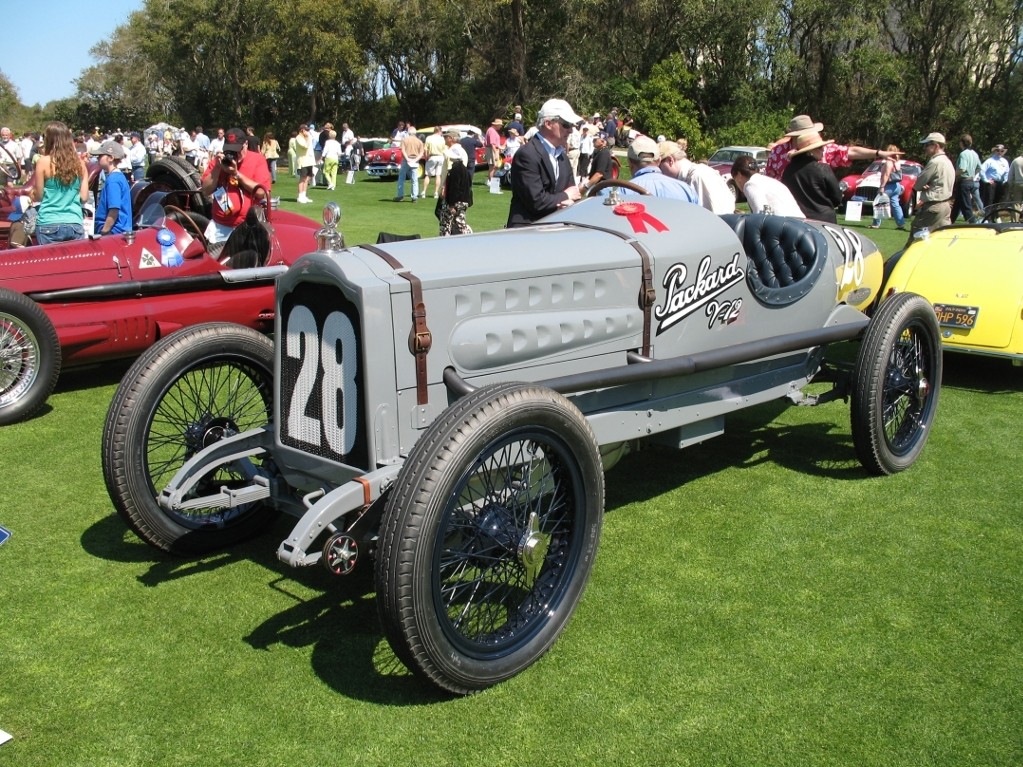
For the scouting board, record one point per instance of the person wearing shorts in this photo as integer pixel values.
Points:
(435, 147)
(305, 158)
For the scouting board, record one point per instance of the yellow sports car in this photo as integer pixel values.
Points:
(973, 276)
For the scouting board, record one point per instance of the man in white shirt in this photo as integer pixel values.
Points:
(711, 190)
(217, 144)
(763, 193)
(11, 158)
(137, 157)
(27, 145)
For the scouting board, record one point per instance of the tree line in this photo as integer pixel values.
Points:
(714, 71)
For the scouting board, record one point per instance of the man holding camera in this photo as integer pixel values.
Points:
(235, 179)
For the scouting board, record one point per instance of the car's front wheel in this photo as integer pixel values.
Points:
(29, 357)
(190, 390)
(489, 536)
(896, 384)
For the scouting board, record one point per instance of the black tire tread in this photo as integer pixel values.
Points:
(399, 547)
(119, 457)
(50, 359)
(887, 324)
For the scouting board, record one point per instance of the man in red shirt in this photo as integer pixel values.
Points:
(492, 142)
(235, 179)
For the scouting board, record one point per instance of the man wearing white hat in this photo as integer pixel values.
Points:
(542, 180)
(835, 155)
(934, 185)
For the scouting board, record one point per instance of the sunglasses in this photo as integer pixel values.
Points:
(565, 124)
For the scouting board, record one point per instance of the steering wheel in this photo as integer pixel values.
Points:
(263, 201)
(186, 221)
(5, 167)
(595, 189)
(1003, 212)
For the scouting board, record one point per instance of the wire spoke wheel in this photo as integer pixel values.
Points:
(191, 390)
(506, 542)
(29, 357)
(489, 536)
(897, 382)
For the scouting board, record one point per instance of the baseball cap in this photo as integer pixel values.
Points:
(234, 139)
(111, 148)
(643, 148)
(934, 138)
(558, 109)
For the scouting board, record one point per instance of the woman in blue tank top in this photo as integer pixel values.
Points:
(62, 187)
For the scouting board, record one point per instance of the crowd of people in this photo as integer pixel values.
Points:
(556, 162)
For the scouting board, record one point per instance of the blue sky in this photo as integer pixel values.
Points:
(69, 29)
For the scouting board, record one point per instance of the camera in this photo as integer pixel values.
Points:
(230, 158)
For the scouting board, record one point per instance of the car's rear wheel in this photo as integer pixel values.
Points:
(29, 357)
(896, 384)
(194, 388)
(176, 173)
(489, 536)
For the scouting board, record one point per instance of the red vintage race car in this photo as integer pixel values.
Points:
(386, 162)
(92, 300)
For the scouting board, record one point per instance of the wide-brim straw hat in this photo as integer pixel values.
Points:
(810, 141)
(800, 125)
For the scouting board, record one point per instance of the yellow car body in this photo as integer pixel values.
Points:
(973, 276)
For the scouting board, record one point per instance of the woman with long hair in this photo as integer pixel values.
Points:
(61, 186)
(271, 150)
(891, 186)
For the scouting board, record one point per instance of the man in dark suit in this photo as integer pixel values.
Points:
(542, 180)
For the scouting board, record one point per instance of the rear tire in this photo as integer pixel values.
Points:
(30, 357)
(896, 384)
(191, 389)
(177, 173)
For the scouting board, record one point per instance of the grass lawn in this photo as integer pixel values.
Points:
(757, 600)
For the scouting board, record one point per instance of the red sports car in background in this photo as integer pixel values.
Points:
(866, 184)
(87, 301)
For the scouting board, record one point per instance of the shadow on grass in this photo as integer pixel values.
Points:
(752, 437)
(104, 374)
(349, 651)
(984, 375)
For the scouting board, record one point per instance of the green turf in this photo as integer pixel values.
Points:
(756, 600)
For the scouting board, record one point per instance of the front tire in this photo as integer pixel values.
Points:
(193, 388)
(489, 536)
(29, 357)
(896, 384)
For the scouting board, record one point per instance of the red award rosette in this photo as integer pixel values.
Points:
(636, 213)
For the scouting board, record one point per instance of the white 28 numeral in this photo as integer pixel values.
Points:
(335, 352)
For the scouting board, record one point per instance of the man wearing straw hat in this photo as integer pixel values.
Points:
(835, 155)
(811, 181)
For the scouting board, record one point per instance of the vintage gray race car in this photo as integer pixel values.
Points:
(447, 408)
